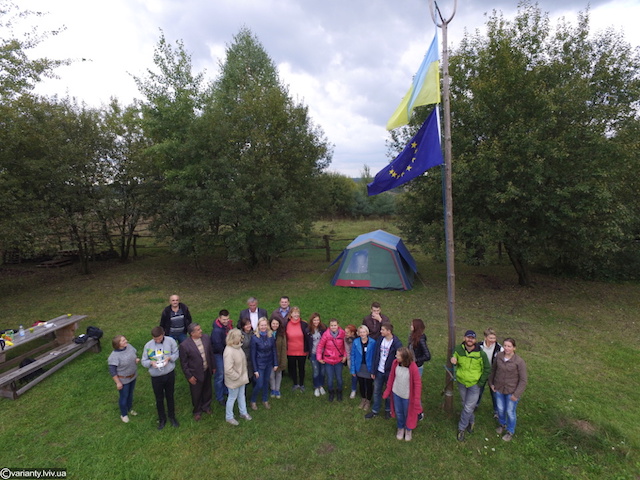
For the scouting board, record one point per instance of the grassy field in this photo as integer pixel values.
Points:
(577, 419)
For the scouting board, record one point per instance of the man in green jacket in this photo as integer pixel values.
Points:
(472, 369)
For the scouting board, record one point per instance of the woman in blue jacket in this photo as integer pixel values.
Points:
(362, 352)
(264, 360)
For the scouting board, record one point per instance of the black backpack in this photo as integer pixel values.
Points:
(94, 332)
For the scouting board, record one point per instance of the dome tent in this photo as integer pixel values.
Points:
(375, 260)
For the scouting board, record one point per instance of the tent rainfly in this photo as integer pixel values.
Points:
(376, 260)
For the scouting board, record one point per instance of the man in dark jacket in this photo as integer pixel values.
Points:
(253, 313)
(196, 360)
(221, 327)
(385, 353)
(375, 320)
(175, 319)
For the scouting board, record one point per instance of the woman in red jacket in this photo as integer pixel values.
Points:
(404, 386)
(332, 354)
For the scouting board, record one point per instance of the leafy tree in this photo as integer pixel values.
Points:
(267, 154)
(540, 159)
(127, 193)
(334, 195)
(178, 176)
(365, 206)
(18, 72)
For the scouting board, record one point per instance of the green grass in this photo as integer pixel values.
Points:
(577, 419)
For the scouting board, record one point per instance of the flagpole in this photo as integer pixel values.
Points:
(448, 217)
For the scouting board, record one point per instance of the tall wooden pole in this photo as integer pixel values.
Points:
(436, 15)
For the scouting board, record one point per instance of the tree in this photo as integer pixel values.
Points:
(19, 73)
(335, 195)
(266, 152)
(127, 194)
(365, 206)
(538, 150)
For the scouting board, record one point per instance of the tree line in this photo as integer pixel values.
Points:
(545, 150)
(235, 162)
(545, 140)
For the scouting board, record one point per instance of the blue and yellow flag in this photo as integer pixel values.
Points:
(424, 90)
(422, 153)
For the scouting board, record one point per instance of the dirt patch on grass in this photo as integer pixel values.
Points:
(584, 426)
(325, 448)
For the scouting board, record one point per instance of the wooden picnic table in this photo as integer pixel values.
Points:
(62, 329)
(60, 350)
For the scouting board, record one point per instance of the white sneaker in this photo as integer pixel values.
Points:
(133, 412)
(322, 392)
(316, 392)
(233, 421)
(353, 394)
(124, 418)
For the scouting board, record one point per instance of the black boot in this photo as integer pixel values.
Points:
(339, 392)
(331, 394)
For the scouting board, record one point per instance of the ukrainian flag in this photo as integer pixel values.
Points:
(424, 90)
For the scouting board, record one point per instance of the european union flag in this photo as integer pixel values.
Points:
(422, 153)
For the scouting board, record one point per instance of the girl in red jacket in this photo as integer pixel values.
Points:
(404, 386)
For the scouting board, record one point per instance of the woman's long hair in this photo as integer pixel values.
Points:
(418, 330)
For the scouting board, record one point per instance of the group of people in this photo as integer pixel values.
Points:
(261, 347)
(475, 365)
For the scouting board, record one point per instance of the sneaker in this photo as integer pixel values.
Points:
(322, 391)
(471, 427)
(266, 405)
(274, 393)
(500, 429)
(174, 422)
(507, 437)
(316, 392)
(161, 424)
(253, 406)
(371, 414)
(133, 413)
(233, 421)
(278, 394)
(421, 416)
(302, 388)
(124, 418)
(353, 394)
(295, 387)
(407, 435)
(387, 414)
(246, 417)
(400, 434)
(460, 436)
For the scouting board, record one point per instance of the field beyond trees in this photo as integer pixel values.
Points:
(577, 419)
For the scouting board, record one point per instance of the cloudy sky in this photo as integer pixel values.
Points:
(350, 61)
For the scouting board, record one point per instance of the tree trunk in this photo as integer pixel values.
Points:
(522, 269)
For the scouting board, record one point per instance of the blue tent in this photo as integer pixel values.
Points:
(376, 260)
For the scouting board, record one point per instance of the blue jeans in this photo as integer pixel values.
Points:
(236, 394)
(506, 411)
(179, 338)
(318, 372)
(493, 399)
(125, 401)
(469, 397)
(401, 406)
(262, 383)
(218, 379)
(378, 389)
(334, 371)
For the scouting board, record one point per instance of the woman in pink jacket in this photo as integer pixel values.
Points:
(332, 354)
(404, 386)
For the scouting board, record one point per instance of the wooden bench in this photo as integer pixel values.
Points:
(10, 381)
